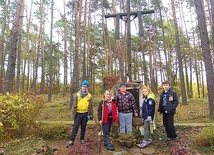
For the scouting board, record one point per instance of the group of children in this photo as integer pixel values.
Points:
(122, 107)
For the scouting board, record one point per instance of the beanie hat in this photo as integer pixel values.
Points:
(85, 83)
(122, 84)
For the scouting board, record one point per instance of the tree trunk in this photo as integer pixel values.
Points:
(19, 62)
(181, 74)
(164, 42)
(42, 51)
(145, 70)
(27, 52)
(205, 45)
(51, 54)
(84, 75)
(189, 87)
(212, 25)
(65, 53)
(2, 44)
(75, 80)
(10, 74)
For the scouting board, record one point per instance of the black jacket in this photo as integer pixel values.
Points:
(171, 102)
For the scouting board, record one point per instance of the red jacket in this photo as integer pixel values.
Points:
(105, 112)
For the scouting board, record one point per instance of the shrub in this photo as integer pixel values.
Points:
(206, 137)
(18, 113)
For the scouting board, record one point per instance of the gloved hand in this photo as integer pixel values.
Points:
(89, 117)
(149, 119)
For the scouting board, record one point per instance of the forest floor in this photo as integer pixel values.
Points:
(184, 146)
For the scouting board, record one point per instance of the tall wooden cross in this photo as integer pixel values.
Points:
(117, 31)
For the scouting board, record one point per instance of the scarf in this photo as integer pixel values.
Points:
(83, 94)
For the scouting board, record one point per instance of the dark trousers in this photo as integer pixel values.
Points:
(168, 122)
(106, 132)
(80, 120)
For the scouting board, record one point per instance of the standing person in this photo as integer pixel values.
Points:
(126, 107)
(82, 111)
(148, 112)
(107, 114)
(167, 106)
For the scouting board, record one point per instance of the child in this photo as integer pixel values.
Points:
(167, 106)
(82, 109)
(107, 114)
(148, 111)
(127, 106)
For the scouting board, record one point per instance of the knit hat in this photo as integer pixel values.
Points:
(122, 84)
(85, 83)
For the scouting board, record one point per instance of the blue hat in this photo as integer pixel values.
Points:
(122, 84)
(85, 83)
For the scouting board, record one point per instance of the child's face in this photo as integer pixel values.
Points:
(123, 88)
(107, 95)
(145, 92)
(166, 87)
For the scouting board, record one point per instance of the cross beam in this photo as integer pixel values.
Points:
(117, 32)
(131, 13)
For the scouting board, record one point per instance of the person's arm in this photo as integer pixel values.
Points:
(151, 108)
(175, 100)
(134, 105)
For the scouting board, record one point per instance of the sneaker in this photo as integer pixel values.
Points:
(143, 144)
(169, 139)
(149, 141)
(110, 147)
(70, 143)
(175, 139)
(82, 141)
(143, 141)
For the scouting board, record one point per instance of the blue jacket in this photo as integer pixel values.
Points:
(171, 102)
(148, 108)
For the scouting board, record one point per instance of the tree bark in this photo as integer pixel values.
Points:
(65, 53)
(75, 80)
(51, 54)
(181, 74)
(41, 44)
(205, 45)
(2, 44)
(19, 62)
(212, 24)
(10, 74)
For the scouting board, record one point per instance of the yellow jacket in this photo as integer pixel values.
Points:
(82, 105)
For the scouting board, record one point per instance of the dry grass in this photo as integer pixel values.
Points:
(197, 110)
(59, 108)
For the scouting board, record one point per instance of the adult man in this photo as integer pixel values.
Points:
(167, 106)
(82, 111)
(126, 107)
